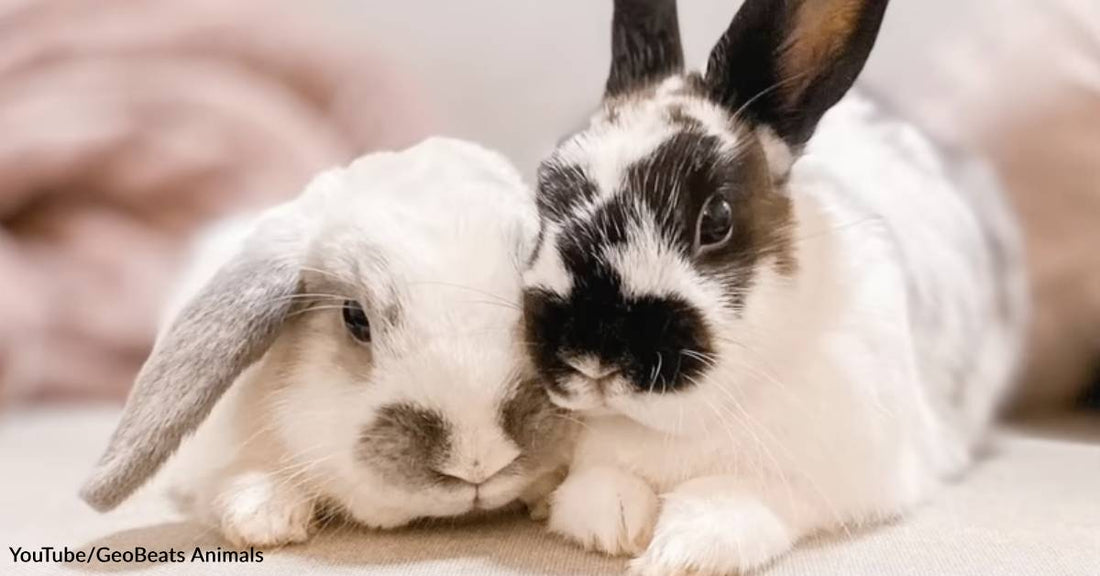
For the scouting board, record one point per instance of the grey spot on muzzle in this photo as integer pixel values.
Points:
(406, 444)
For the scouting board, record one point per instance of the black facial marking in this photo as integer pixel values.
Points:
(675, 180)
(406, 443)
(657, 343)
(784, 64)
(562, 187)
(779, 65)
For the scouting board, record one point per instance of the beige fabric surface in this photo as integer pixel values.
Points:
(1032, 508)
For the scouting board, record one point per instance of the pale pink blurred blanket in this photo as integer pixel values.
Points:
(126, 123)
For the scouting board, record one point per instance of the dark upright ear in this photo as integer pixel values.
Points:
(219, 333)
(784, 63)
(645, 44)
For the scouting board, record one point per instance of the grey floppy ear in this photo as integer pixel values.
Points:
(784, 63)
(645, 44)
(225, 328)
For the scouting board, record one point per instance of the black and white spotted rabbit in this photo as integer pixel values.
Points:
(779, 311)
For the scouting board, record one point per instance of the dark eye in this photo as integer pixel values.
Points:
(715, 223)
(355, 320)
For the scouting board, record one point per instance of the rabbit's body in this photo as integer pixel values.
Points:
(367, 336)
(774, 321)
(855, 386)
(940, 225)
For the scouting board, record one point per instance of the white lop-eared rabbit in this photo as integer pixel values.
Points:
(365, 342)
(775, 321)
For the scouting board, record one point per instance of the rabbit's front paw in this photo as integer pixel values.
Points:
(705, 532)
(604, 509)
(258, 509)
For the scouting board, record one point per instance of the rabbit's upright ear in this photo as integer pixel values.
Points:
(784, 63)
(645, 44)
(222, 330)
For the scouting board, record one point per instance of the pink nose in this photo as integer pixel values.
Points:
(477, 472)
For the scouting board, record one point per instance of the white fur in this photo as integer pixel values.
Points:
(442, 231)
(834, 401)
(605, 509)
(779, 155)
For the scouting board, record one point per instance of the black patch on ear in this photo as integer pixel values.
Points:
(742, 66)
(778, 67)
(645, 44)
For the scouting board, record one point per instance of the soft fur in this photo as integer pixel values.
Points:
(437, 415)
(830, 365)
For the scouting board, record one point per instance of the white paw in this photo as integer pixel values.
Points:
(383, 518)
(256, 510)
(719, 535)
(604, 509)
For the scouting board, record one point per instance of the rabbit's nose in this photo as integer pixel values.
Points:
(590, 367)
(479, 471)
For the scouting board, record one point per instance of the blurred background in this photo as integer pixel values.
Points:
(126, 125)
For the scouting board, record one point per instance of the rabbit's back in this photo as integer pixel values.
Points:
(951, 235)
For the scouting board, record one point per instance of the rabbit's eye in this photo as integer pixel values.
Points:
(355, 320)
(715, 223)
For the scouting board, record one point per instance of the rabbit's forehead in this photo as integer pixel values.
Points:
(667, 128)
(629, 128)
(439, 276)
(622, 198)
